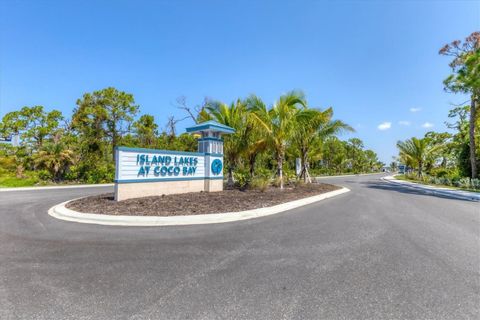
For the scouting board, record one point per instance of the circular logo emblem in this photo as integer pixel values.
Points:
(217, 166)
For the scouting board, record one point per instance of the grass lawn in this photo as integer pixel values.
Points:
(31, 180)
(405, 178)
(12, 182)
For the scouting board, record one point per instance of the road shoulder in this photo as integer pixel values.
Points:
(453, 193)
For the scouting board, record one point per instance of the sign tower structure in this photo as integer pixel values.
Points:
(211, 144)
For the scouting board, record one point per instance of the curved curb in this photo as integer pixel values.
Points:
(61, 212)
(451, 193)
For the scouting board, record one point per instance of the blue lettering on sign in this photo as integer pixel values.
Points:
(176, 171)
(166, 165)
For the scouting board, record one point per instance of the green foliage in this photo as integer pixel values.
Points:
(236, 116)
(44, 175)
(103, 116)
(55, 158)
(260, 183)
(146, 131)
(242, 178)
(266, 141)
(449, 180)
(278, 123)
(416, 152)
(8, 178)
(102, 173)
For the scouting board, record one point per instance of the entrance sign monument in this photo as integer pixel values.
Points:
(149, 172)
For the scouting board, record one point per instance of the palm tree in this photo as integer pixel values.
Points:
(256, 145)
(312, 128)
(415, 151)
(278, 123)
(234, 115)
(55, 158)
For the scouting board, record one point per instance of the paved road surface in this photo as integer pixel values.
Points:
(379, 252)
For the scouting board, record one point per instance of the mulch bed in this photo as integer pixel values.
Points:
(197, 202)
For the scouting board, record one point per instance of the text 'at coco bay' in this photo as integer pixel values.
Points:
(166, 165)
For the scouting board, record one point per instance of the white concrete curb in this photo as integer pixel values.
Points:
(61, 212)
(453, 193)
(57, 187)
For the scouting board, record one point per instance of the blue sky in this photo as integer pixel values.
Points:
(374, 62)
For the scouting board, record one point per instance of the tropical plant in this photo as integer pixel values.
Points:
(312, 127)
(278, 123)
(416, 152)
(55, 158)
(236, 116)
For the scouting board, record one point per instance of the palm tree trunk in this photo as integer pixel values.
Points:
(230, 182)
(251, 161)
(280, 170)
(420, 165)
(305, 174)
(473, 118)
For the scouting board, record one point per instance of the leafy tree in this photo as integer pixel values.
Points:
(146, 131)
(33, 124)
(465, 78)
(355, 154)
(334, 155)
(104, 116)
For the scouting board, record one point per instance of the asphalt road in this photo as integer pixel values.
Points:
(380, 251)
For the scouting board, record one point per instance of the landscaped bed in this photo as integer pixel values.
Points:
(198, 202)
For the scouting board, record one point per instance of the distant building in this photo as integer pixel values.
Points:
(13, 140)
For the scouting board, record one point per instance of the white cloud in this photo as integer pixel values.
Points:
(404, 123)
(427, 125)
(415, 109)
(384, 126)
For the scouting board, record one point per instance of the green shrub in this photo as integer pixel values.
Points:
(100, 174)
(475, 184)
(72, 173)
(464, 183)
(260, 183)
(289, 175)
(242, 178)
(276, 182)
(44, 175)
(264, 173)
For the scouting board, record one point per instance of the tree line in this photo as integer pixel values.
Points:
(453, 157)
(266, 142)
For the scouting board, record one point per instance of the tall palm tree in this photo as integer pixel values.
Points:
(256, 145)
(415, 151)
(312, 128)
(234, 115)
(278, 123)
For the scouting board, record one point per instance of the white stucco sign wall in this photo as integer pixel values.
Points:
(149, 172)
(141, 165)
